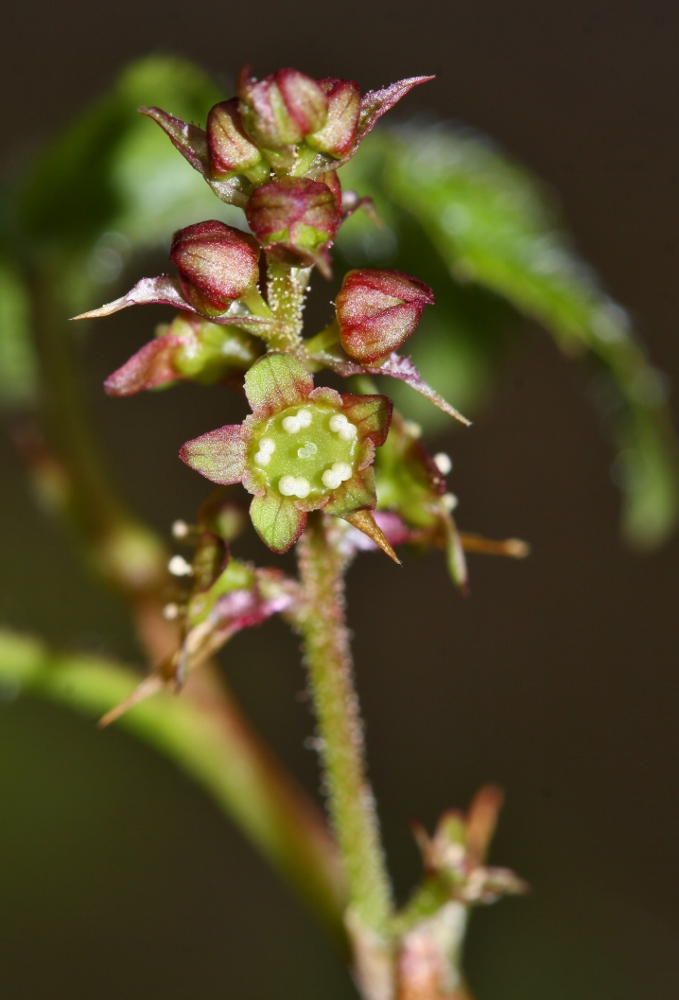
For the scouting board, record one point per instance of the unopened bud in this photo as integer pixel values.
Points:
(378, 310)
(216, 264)
(281, 109)
(230, 150)
(295, 220)
(344, 107)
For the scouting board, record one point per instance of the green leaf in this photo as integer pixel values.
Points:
(209, 744)
(18, 366)
(494, 229)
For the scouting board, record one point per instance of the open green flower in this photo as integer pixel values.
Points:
(302, 449)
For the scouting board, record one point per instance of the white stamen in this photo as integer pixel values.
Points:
(308, 450)
(331, 478)
(337, 421)
(291, 424)
(267, 445)
(263, 457)
(343, 470)
(171, 612)
(178, 566)
(304, 417)
(287, 486)
(302, 487)
(449, 501)
(412, 428)
(443, 463)
(347, 432)
(180, 529)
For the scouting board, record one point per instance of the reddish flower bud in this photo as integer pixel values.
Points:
(295, 220)
(378, 310)
(216, 265)
(281, 109)
(338, 134)
(229, 148)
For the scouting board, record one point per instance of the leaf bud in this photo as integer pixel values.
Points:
(282, 109)
(230, 150)
(295, 220)
(378, 310)
(217, 264)
(338, 134)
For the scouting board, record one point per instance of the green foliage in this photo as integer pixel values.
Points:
(17, 361)
(488, 240)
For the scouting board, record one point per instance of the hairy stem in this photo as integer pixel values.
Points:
(351, 801)
(286, 291)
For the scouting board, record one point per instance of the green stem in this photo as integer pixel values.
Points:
(286, 291)
(351, 801)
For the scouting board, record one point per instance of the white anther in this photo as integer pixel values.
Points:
(304, 417)
(443, 463)
(171, 612)
(337, 421)
(287, 485)
(347, 432)
(412, 428)
(308, 450)
(449, 501)
(180, 529)
(343, 470)
(263, 457)
(178, 566)
(267, 446)
(291, 424)
(302, 487)
(331, 478)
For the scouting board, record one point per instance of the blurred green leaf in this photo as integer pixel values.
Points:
(112, 184)
(493, 229)
(18, 375)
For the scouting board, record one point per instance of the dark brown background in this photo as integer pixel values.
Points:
(557, 678)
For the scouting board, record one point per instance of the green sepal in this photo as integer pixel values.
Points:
(218, 455)
(275, 382)
(356, 494)
(277, 520)
(370, 414)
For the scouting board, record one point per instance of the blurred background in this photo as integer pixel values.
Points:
(556, 678)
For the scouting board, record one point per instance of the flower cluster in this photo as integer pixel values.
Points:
(274, 150)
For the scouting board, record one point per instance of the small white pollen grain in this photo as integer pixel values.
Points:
(171, 612)
(337, 421)
(304, 417)
(180, 529)
(449, 501)
(443, 463)
(287, 486)
(331, 478)
(308, 450)
(347, 432)
(302, 487)
(178, 566)
(343, 470)
(263, 457)
(291, 425)
(267, 445)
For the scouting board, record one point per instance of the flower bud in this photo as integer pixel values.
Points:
(338, 134)
(230, 150)
(216, 265)
(281, 109)
(295, 220)
(378, 310)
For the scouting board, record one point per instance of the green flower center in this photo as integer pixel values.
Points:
(305, 450)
